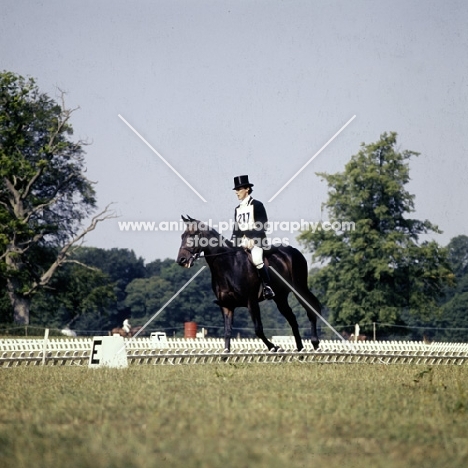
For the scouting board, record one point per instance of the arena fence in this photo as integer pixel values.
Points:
(159, 350)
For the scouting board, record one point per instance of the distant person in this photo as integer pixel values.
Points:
(126, 326)
(250, 223)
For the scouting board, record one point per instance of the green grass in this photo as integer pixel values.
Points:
(291, 415)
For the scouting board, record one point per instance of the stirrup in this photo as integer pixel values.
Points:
(268, 293)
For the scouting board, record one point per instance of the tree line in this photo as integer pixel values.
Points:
(120, 285)
(388, 271)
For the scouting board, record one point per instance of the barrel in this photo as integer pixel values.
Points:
(190, 330)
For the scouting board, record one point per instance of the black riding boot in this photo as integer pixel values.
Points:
(265, 277)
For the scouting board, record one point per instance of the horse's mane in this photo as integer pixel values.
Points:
(214, 233)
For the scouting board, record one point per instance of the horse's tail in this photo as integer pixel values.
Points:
(299, 272)
(294, 266)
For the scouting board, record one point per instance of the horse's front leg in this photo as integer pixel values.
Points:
(254, 310)
(228, 316)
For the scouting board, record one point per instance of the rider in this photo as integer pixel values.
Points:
(250, 222)
(126, 326)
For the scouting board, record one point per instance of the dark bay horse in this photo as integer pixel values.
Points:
(236, 283)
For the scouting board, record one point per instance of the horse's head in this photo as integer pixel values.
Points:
(190, 247)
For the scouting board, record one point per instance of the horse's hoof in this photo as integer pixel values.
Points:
(226, 351)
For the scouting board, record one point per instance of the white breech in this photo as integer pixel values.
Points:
(257, 252)
(257, 256)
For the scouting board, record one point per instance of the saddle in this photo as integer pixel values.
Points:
(271, 250)
(266, 254)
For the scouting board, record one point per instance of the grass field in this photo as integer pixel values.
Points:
(256, 415)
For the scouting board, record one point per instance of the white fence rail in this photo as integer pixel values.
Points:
(76, 351)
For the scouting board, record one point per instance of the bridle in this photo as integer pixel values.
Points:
(194, 256)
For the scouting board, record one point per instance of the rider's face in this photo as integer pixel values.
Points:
(242, 192)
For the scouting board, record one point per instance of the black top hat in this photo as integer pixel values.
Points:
(241, 181)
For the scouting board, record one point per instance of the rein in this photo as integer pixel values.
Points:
(220, 253)
(196, 255)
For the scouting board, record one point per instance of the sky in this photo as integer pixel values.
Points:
(221, 88)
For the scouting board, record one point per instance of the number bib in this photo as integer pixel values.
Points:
(245, 217)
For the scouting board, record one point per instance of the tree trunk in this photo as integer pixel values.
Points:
(20, 303)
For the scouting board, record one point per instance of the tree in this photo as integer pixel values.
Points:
(73, 293)
(122, 267)
(453, 324)
(380, 269)
(44, 194)
(458, 256)
(146, 295)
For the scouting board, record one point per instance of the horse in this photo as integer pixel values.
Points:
(236, 283)
(352, 337)
(120, 331)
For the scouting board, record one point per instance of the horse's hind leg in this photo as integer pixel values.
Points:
(312, 306)
(288, 314)
(254, 310)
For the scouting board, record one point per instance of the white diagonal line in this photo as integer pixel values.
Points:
(312, 158)
(159, 156)
(165, 305)
(311, 307)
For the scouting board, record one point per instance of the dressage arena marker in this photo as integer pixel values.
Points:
(105, 352)
(180, 351)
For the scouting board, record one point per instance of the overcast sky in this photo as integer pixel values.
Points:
(222, 88)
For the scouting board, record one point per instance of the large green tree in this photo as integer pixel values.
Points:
(380, 269)
(458, 256)
(453, 324)
(44, 194)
